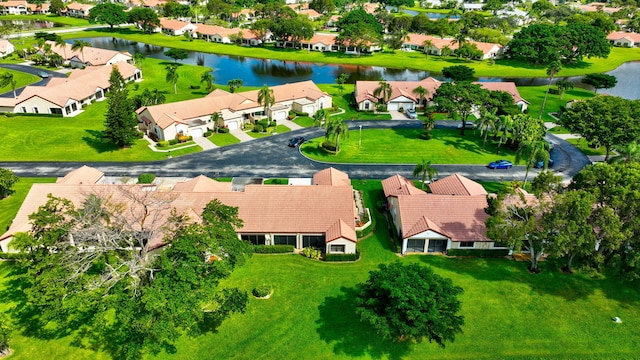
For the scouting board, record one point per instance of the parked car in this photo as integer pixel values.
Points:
(540, 164)
(500, 164)
(296, 141)
(411, 113)
(468, 125)
(43, 74)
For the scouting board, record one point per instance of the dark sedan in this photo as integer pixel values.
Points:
(296, 141)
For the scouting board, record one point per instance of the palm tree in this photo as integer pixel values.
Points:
(61, 44)
(459, 39)
(427, 45)
(563, 85)
(80, 45)
(553, 68)
(207, 78)
(217, 119)
(138, 58)
(7, 79)
(626, 153)
(337, 129)
(421, 92)
(532, 152)
(446, 51)
(266, 99)
(506, 122)
(56, 60)
(234, 84)
(320, 119)
(172, 76)
(425, 169)
(488, 121)
(341, 80)
(383, 89)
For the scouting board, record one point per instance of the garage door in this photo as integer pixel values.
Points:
(196, 133)
(392, 106)
(308, 109)
(232, 125)
(279, 115)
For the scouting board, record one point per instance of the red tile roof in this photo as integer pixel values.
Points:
(399, 185)
(331, 176)
(366, 89)
(84, 175)
(456, 185)
(618, 35)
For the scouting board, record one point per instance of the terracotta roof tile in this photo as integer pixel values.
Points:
(399, 185)
(456, 185)
(84, 175)
(618, 35)
(202, 184)
(366, 89)
(331, 176)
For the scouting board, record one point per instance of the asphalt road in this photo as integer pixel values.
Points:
(33, 71)
(271, 157)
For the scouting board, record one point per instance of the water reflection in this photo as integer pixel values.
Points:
(257, 72)
(31, 24)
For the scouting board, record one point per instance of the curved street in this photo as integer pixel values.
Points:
(271, 157)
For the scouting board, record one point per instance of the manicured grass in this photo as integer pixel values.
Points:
(582, 144)
(66, 20)
(21, 79)
(304, 121)
(535, 96)
(79, 138)
(509, 313)
(345, 101)
(223, 139)
(10, 205)
(398, 59)
(404, 146)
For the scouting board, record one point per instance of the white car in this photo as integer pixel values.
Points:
(468, 125)
(411, 113)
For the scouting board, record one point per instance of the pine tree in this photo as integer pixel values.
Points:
(120, 120)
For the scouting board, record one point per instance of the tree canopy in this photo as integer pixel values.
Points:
(120, 120)
(7, 180)
(458, 73)
(600, 81)
(92, 268)
(410, 302)
(146, 18)
(108, 13)
(460, 99)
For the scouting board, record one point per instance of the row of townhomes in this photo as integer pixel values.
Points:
(320, 214)
(624, 39)
(68, 96)
(403, 94)
(88, 56)
(193, 117)
(22, 7)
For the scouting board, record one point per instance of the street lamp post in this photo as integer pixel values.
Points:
(360, 139)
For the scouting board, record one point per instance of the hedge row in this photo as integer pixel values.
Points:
(272, 249)
(342, 257)
(4, 255)
(478, 253)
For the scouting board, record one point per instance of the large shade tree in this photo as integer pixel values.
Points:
(460, 98)
(108, 13)
(410, 303)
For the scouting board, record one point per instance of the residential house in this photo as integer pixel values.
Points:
(14, 7)
(436, 45)
(321, 42)
(225, 35)
(452, 216)
(243, 15)
(310, 13)
(68, 96)
(403, 95)
(624, 39)
(193, 117)
(320, 215)
(42, 9)
(598, 6)
(88, 56)
(176, 27)
(6, 47)
(75, 9)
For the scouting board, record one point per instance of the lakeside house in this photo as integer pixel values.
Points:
(435, 45)
(321, 214)
(625, 39)
(193, 117)
(176, 27)
(88, 56)
(75, 9)
(68, 96)
(452, 216)
(403, 95)
(14, 7)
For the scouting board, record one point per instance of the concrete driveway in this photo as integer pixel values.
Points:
(271, 157)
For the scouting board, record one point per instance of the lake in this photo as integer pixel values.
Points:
(32, 24)
(258, 72)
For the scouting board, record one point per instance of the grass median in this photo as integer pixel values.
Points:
(21, 79)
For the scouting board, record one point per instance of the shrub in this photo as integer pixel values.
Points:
(194, 87)
(162, 143)
(329, 146)
(223, 130)
(261, 291)
(182, 138)
(478, 253)
(272, 249)
(146, 178)
(257, 128)
(301, 113)
(264, 123)
(426, 135)
(173, 141)
(12, 256)
(311, 253)
(342, 257)
(208, 133)
(381, 108)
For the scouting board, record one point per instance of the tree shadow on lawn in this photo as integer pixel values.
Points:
(340, 326)
(550, 281)
(97, 141)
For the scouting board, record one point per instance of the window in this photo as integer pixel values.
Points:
(500, 245)
(466, 244)
(313, 241)
(254, 239)
(415, 245)
(337, 249)
(24, 109)
(284, 240)
(35, 110)
(55, 111)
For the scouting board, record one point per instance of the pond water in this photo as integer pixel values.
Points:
(257, 72)
(32, 24)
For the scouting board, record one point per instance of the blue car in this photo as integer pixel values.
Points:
(500, 164)
(540, 164)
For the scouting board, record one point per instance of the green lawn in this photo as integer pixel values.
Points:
(279, 130)
(345, 101)
(223, 139)
(403, 146)
(21, 79)
(9, 206)
(509, 313)
(304, 121)
(582, 144)
(535, 96)
(398, 59)
(66, 20)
